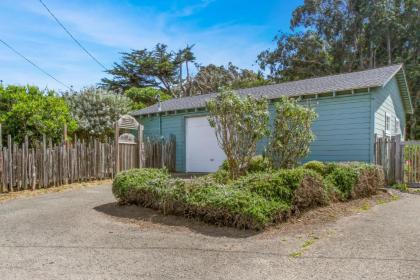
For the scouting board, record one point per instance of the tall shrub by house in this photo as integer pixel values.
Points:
(96, 110)
(291, 135)
(239, 123)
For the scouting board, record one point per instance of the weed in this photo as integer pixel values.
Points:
(365, 206)
(295, 254)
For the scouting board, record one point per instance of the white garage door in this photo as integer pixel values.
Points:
(203, 154)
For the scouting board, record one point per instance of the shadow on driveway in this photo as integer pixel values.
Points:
(142, 214)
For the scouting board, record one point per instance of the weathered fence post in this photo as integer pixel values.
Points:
(117, 148)
(10, 157)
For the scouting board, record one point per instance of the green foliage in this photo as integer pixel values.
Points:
(292, 135)
(96, 111)
(401, 187)
(145, 68)
(345, 36)
(259, 164)
(343, 178)
(256, 164)
(254, 200)
(30, 111)
(145, 97)
(317, 166)
(235, 207)
(171, 72)
(128, 182)
(212, 78)
(239, 123)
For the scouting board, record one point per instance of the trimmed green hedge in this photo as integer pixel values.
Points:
(253, 201)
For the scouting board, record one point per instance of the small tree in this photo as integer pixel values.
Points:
(292, 134)
(27, 110)
(144, 97)
(239, 124)
(96, 111)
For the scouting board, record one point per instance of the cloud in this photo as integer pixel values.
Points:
(108, 30)
(192, 9)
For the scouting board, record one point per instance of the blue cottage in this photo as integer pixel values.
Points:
(352, 108)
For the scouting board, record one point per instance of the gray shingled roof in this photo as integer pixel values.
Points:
(350, 81)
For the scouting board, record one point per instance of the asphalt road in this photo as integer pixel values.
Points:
(82, 234)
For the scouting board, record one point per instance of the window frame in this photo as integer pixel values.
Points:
(397, 125)
(387, 123)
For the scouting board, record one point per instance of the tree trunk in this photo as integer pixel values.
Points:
(388, 45)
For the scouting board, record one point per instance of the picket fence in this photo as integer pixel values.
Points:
(23, 167)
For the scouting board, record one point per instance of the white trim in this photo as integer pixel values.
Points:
(387, 123)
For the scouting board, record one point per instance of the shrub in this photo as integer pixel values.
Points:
(129, 185)
(221, 176)
(353, 180)
(278, 184)
(370, 179)
(256, 164)
(230, 206)
(343, 178)
(253, 201)
(317, 166)
(291, 135)
(300, 188)
(259, 164)
(401, 187)
(239, 123)
(310, 193)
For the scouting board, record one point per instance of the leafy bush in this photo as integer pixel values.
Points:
(254, 200)
(278, 184)
(225, 205)
(259, 164)
(401, 187)
(291, 135)
(343, 178)
(256, 164)
(317, 166)
(239, 123)
(127, 185)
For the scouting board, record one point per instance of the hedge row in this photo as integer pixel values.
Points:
(253, 201)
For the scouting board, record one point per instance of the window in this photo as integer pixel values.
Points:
(387, 122)
(397, 126)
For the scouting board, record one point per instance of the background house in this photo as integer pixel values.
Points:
(352, 108)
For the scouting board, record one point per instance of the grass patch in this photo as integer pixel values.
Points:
(296, 254)
(305, 246)
(395, 197)
(365, 206)
(401, 187)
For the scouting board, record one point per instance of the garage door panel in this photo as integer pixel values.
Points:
(203, 154)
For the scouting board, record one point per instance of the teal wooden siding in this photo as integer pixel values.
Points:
(388, 101)
(344, 129)
(170, 125)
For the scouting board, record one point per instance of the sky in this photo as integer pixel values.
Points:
(222, 30)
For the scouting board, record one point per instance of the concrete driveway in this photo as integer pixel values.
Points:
(82, 234)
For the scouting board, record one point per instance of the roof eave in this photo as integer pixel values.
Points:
(405, 91)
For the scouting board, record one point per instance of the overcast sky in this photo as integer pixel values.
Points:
(222, 30)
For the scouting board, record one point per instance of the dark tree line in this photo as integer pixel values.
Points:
(349, 35)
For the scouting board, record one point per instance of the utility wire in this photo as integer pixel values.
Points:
(33, 64)
(74, 39)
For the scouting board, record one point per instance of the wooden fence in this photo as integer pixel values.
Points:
(400, 159)
(411, 155)
(160, 152)
(23, 167)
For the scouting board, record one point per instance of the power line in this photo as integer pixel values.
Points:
(74, 39)
(33, 64)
